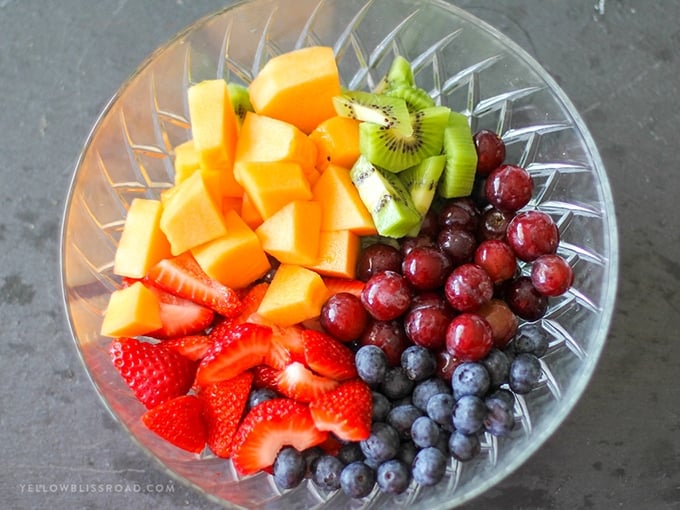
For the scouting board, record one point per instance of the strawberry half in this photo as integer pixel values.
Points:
(327, 356)
(266, 377)
(267, 428)
(180, 422)
(346, 411)
(194, 347)
(183, 277)
(179, 316)
(298, 382)
(224, 403)
(336, 285)
(153, 372)
(241, 348)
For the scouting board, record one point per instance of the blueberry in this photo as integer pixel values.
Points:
(426, 389)
(381, 406)
(464, 447)
(531, 338)
(470, 378)
(443, 443)
(396, 384)
(499, 420)
(468, 414)
(371, 363)
(326, 472)
(407, 452)
(429, 466)
(419, 362)
(357, 480)
(402, 418)
(259, 395)
(289, 468)
(424, 432)
(504, 397)
(393, 476)
(440, 409)
(497, 364)
(350, 452)
(382, 444)
(525, 371)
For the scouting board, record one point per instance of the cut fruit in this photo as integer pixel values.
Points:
(415, 97)
(378, 110)
(346, 411)
(194, 347)
(132, 311)
(249, 213)
(391, 150)
(180, 317)
(400, 73)
(327, 356)
(386, 198)
(299, 383)
(240, 101)
(421, 182)
(337, 142)
(338, 254)
(298, 87)
(142, 243)
(186, 161)
(180, 422)
(337, 285)
(461, 158)
(295, 295)
(235, 260)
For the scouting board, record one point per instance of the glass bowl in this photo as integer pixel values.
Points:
(466, 65)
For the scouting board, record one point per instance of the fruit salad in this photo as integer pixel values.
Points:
(332, 288)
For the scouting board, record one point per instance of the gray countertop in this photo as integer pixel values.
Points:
(618, 61)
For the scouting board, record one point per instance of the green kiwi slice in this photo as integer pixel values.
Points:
(461, 158)
(400, 73)
(383, 111)
(422, 179)
(386, 198)
(392, 151)
(240, 100)
(415, 97)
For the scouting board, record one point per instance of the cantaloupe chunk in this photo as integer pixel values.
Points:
(186, 160)
(341, 205)
(291, 235)
(236, 259)
(337, 142)
(263, 138)
(272, 184)
(296, 294)
(298, 87)
(131, 311)
(249, 213)
(142, 243)
(338, 254)
(214, 129)
(191, 215)
(232, 204)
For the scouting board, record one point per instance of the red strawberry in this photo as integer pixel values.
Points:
(327, 356)
(224, 403)
(346, 411)
(336, 285)
(179, 316)
(243, 347)
(267, 428)
(153, 372)
(278, 356)
(291, 339)
(194, 347)
(183, 277)
(252, 299)
(180, 422)
(266, 377)
(298, 382)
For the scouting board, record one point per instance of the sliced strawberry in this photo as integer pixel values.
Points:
(298, 382)
(180, 422)
(327, 356)
(252, 299)
(179, 316)
(291, 339)
(336, 285)
(182, 276)
(277, 356)
(224, 403)
(266, 377)
(267, 428)
(243, 347)
(194, 347)
(346, 411)
(154, 373)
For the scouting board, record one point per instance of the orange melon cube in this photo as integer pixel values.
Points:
(291, 235)
(263, 138)
(186, 160)
(131, 311)
(298, 87)
(295, 294)
(142, 243)
(191, 215)
(341, 205)
(236, 259)
(272, 184)
(338, 254)
(249, 212)
(232, 204)
(337, 142)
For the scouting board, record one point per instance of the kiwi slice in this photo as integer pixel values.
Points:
(386, 198)
(240, 100)
(393, 151)
(415, 97)
(383, 111)
(400, 73)
(461, 158)
(422, 179)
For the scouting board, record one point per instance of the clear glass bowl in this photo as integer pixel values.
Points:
(466, 65)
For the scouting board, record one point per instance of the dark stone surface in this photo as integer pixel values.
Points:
(619, 63)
